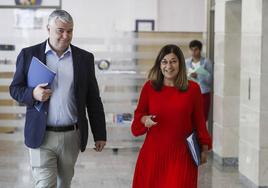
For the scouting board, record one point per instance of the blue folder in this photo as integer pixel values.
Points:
(194, 148)
(39, 73)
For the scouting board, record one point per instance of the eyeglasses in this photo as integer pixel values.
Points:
(172, 62)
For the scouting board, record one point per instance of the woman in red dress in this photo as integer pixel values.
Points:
(168, 108)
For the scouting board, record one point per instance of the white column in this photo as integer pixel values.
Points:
(253, 142)
(226, 81)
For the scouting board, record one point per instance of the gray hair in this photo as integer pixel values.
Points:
(63, 15)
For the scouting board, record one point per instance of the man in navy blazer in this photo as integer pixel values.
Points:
(57, 132)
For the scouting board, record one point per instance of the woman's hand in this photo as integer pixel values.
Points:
(204, 154)
(204, 157)
(147, 121)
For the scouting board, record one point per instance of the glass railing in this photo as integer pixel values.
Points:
(129, 55)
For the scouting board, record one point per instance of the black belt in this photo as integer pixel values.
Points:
(62, 128)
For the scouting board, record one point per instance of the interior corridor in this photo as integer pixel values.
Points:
(108, 169)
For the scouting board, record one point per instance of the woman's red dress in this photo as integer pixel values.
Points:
(164, 160)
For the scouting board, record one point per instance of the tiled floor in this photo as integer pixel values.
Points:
(107, 169)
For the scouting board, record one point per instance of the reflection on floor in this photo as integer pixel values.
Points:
(108, 169)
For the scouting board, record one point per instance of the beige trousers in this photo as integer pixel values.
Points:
(53, 163)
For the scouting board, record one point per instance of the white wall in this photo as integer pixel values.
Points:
(182, 15)
(105, 19)
(102, 17)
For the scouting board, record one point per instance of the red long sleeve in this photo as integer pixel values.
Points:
(199, 122)
(137, 127)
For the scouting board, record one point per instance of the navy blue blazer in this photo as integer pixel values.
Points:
(86, 94)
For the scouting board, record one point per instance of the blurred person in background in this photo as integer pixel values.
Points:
(199, 69)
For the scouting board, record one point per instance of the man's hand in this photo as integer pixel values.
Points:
(40, 93)
(193, 75)
(99, 145)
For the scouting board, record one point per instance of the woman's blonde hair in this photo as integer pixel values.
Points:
(155, 74)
